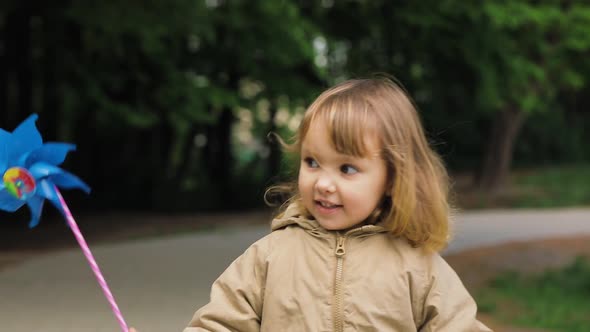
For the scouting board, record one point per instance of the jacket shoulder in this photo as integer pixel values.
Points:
(266, 243)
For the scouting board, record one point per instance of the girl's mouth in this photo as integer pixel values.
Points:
(326, 207)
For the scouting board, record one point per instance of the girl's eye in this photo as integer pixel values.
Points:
(311, 162)
(348, 169)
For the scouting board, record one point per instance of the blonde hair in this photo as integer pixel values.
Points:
(416, 206)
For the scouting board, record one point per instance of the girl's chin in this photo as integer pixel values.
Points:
(334, 225)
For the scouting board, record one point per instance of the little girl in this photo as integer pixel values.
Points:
(355, 248)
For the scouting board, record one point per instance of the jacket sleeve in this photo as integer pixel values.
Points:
(236, 296)
(447, 305)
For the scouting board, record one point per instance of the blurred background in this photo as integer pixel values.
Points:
(170, 102)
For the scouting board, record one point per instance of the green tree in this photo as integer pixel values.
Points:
(523, 55)
(505, 59)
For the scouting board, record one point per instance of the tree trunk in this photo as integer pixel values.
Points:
(274, 158)
(498, 155)
(183, 169)
(218, 152)
(16, 73)
(49, 84)
(4, 118)
(23, 63)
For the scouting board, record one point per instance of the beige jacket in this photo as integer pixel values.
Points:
(304, 278)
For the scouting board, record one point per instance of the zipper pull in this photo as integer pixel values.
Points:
(340, 247)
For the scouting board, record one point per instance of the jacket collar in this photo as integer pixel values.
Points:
(297, 215)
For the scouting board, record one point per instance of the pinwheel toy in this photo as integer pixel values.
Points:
(30, 175)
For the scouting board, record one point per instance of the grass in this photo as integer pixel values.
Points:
(547, 187)
(557, 300)
(553, 187)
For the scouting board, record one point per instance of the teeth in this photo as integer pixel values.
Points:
(326, 205)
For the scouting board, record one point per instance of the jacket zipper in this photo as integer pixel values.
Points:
(337, 308)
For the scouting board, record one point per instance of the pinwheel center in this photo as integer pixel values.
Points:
(20, 183)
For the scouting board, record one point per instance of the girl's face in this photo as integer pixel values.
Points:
(339, 190)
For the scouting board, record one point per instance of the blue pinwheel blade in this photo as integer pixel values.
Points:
(47, 190)
(3, 156)
(50, 192)
(35, 204)
(25, 138)
(8, 202)
(57, 176)
(5, 141)
(43, 170)
(67, 180)
(53, 153)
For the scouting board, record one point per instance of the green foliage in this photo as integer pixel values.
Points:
(556, 300)
(515, 52)
(535, 44)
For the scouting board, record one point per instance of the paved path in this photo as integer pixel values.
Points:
(159, 283)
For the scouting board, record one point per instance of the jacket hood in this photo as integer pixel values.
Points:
(294, 215)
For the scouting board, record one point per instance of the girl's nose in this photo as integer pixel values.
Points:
(325, 184)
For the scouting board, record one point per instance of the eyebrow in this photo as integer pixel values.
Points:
(341, 158)
(305, 151)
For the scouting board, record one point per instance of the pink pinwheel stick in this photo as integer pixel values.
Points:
(92, 262)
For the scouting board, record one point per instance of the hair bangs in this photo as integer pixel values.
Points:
(350, 123)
